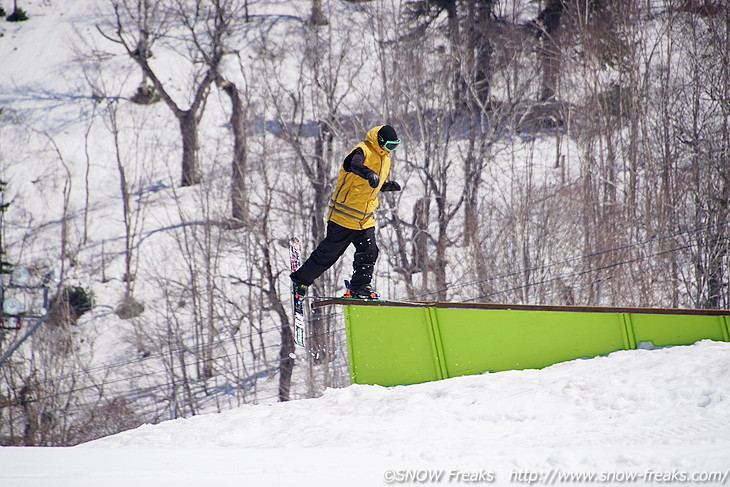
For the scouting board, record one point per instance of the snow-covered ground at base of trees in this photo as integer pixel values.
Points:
(649, 415)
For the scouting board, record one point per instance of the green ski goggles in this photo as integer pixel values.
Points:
(390, 145)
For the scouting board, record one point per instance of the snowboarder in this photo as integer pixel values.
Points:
(350, 218)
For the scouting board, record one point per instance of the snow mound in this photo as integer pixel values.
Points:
(646, 412)
(636, 410)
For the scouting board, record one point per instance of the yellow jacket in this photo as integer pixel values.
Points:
(353, 200)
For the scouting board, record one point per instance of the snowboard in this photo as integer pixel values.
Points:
(295, 256)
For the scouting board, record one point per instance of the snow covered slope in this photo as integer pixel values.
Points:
(646, 413)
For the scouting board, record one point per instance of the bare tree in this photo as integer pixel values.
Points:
(470, 30)
(548, 31)
(239, 204)
(203, 30)
(132, 219)
(703, 130)
(317, 17)
(307, 112)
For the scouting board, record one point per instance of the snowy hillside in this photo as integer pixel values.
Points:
(642, 413)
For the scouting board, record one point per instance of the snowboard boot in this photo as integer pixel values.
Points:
(365, 292)
(298, 289)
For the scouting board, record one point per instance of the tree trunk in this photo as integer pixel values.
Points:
(317, 16)
(320, 336)
(31, 417)
(322, 147)
(189, 131)
(286, 362)
(239, 203)
(548, 52)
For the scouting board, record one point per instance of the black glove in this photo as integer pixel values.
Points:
(373, 180)
(390, 186)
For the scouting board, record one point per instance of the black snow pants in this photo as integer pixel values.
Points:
(331, 249)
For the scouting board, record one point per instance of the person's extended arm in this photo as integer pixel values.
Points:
(355, 164)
